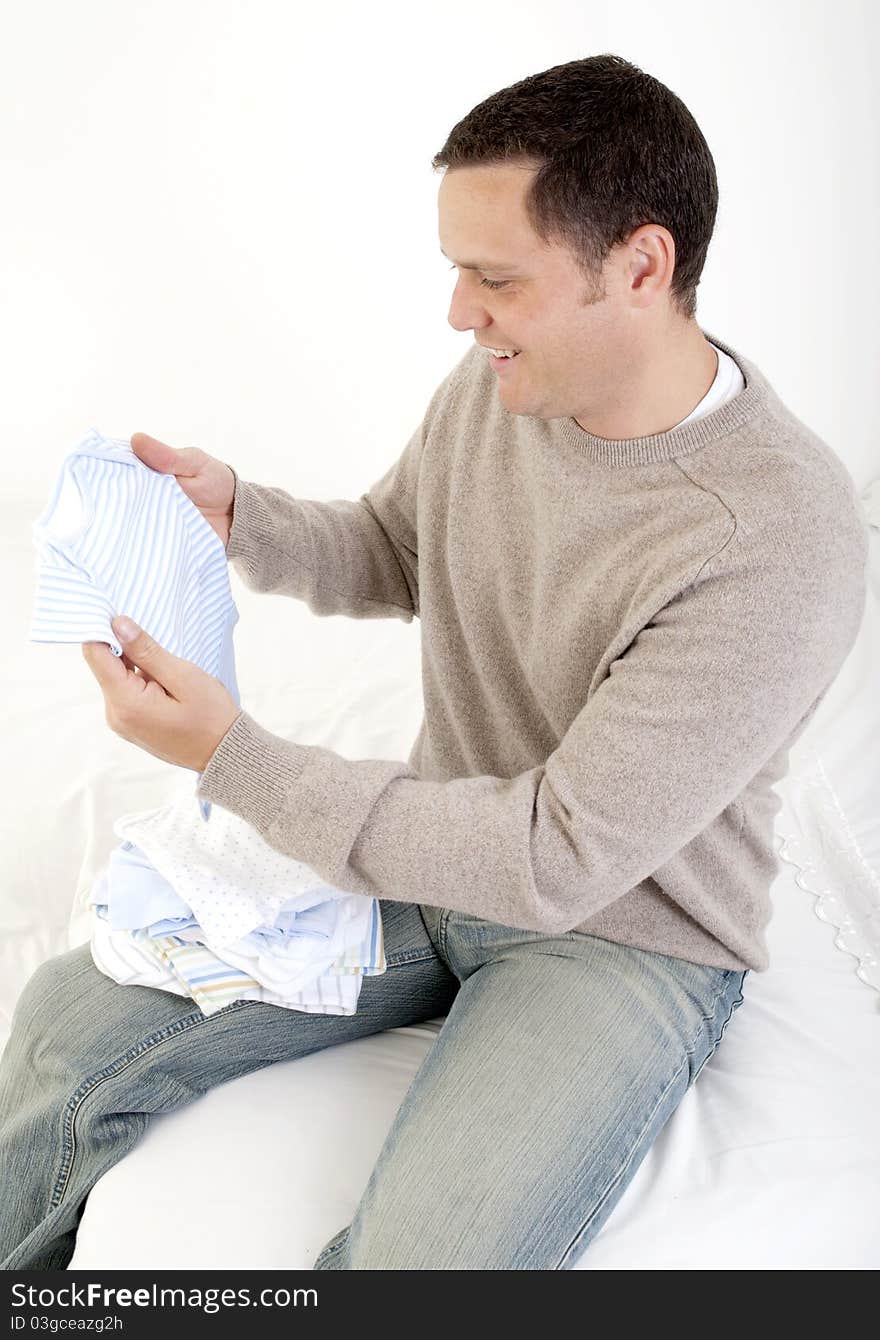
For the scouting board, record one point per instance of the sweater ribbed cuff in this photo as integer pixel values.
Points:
(250, 532)
(252, 772)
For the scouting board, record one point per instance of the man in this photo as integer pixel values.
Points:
(637, 573)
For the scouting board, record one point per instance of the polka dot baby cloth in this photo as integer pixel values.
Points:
(179, 892)
(224, 871)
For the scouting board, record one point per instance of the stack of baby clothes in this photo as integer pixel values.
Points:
(193, 900)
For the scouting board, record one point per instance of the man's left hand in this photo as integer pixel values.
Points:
(173, 709)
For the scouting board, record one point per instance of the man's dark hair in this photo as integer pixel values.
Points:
(614, 149)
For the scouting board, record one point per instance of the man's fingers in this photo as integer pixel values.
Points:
(113, 677)
(135, 669)
(101, 662)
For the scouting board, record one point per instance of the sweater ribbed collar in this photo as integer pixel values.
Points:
(687, 437)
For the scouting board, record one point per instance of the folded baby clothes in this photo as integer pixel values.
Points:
(219, 911)
(189, 968)
(134, 958)
(228, 876)
(148, 898)
(119, 538)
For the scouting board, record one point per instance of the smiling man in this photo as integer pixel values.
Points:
(614, 354)
(637, 573)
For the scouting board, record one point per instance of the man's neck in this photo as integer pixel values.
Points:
(662, 391)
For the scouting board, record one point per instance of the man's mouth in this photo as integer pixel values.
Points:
(501, 359)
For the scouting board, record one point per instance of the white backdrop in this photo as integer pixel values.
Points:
(219, 226)
(220, 221)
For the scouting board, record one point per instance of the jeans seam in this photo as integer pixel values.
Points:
(634, 1149)
(337, 1247)
(733, 1005)
(621, 1170)
(704, 1020)
(117, 1067)
(410, 956)
(441, 933)
(141, 1048)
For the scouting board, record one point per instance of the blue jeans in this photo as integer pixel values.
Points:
(559, 1062)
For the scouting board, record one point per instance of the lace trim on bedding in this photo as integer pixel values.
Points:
(832, 867)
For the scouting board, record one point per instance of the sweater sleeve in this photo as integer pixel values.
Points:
(721, 678)
(340, 557)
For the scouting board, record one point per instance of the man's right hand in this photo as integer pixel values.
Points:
(206, 481)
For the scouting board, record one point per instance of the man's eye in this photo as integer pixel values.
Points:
(491, 283)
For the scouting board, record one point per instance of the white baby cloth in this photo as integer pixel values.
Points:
(211, 908)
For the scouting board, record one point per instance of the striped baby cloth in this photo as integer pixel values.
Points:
(117, 537)
(179, 962)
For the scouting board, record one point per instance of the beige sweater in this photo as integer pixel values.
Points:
(620, 642)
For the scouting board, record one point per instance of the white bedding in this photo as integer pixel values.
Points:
(771, 1161)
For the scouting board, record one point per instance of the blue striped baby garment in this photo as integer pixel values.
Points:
(119, 538)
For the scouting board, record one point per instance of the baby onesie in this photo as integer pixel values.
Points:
(119, 538)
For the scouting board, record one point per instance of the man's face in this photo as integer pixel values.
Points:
(574, 340)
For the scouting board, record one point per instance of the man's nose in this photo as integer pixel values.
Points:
(466, 313)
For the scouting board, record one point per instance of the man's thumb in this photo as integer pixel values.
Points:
(142, 650)
(127, 631)
(184, 461)
(157, 455)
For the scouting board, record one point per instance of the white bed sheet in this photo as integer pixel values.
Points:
(771, 1161)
